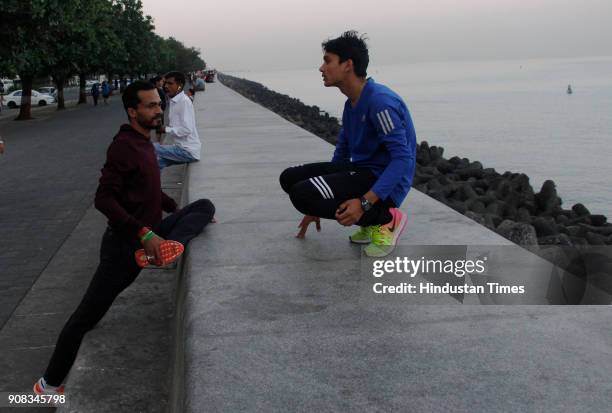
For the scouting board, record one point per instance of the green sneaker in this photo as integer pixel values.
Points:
(384, 237)
(362, 236)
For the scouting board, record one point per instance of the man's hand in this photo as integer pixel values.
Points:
(307, 220)
(349, 212)
(153, 251)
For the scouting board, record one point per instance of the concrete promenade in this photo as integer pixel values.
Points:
(273, 323)
(262, 321)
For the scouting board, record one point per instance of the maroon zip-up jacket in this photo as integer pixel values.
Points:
(129, 192)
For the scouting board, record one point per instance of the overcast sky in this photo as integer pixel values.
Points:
(274, 34)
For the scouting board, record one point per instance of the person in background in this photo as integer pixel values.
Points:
(95, 93)
(158, 81)
(105, 91)
(181, 126)
(191, 94)
(1, 145)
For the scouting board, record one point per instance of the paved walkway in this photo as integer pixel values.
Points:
(273, 323)
(48, 176)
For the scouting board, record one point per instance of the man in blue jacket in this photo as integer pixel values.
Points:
(373, 165)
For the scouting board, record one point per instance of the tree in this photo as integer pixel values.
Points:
(23, 51)
(100, 47)
(65, 37)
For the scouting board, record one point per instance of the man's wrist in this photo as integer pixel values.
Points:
(366, 205)
(371, 197)
(143, 231)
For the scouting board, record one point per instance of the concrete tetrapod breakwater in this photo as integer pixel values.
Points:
(268, 322)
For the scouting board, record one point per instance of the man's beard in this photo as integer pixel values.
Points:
(154, 123)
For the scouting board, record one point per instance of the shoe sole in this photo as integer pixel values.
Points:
(39, 391)
(360, 242)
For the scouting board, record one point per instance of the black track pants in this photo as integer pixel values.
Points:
(116, 271)
(318, 189)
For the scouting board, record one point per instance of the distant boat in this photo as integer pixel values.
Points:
(569, 89)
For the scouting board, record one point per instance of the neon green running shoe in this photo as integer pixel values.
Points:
(362, 236)
(384, 237)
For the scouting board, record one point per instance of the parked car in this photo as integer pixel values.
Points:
(13, 99)
(48, 90)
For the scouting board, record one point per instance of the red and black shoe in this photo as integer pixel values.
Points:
(170, 251)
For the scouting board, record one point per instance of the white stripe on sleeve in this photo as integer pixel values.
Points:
(382, 123)
(389, 120)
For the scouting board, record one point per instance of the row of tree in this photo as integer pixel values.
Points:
(64, 38)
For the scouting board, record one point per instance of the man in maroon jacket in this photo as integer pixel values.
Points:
(130, 196)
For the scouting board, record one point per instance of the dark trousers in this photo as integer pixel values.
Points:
(318, 189)
(116, 271)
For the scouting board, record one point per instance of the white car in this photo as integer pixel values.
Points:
(48, 90)
(13, 99)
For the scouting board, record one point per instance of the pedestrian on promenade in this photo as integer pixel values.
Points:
(181, 125)
(130, 195)
(105, 91)
(95, 93)
(1, 101)
(191, 94)
(158, 81)
(374, 161)
(1, 145)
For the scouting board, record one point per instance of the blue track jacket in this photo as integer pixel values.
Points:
(378, 134)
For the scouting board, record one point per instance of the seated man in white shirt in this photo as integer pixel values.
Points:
(181, 127)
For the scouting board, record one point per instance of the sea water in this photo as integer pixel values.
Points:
(510, 115)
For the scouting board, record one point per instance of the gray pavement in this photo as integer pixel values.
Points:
(273, 323)
(48, 176)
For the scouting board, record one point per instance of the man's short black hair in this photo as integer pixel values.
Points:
(156, 79)
(130, 94)
(178, 76)
(350, 45)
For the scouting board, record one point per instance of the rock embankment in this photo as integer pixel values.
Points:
(310, 118)
(507, 203)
